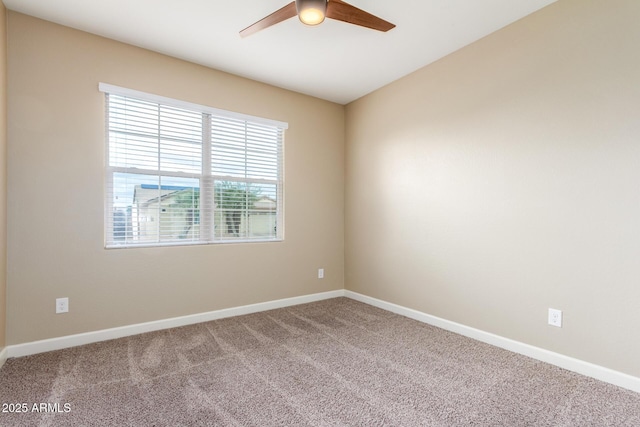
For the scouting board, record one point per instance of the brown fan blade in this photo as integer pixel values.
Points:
(289, 11)
(341, 11)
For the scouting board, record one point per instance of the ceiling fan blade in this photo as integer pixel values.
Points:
(289, 11)
(341, 11)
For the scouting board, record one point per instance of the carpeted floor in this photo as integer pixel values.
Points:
(332, 363)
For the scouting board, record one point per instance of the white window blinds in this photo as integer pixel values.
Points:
(180, 173)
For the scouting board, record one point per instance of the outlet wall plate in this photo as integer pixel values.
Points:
(321, 273)
(555, 317)
(62, 305)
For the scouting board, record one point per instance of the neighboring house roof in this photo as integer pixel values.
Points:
(167, 187)
(145, 194)
(148, 193)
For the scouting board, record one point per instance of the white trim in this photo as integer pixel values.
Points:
(123, 91)
(4, 355)
(575, 365)
(42, 346)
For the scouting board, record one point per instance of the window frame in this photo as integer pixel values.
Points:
(206, 176)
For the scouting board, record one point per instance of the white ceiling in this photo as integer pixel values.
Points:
(334, 61)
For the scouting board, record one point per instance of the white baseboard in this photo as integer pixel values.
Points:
(4, 355)
(579, 366)
(59, 343)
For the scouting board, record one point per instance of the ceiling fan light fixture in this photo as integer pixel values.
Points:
(311, 12)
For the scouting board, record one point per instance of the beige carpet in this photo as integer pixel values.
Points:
(331, 363)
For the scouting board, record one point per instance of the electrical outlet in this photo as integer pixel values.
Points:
(62, 305)
(555, 317)
(321, 273)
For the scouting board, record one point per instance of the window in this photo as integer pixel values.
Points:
(181, 173)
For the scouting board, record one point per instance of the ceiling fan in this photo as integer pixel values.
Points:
(313, 12)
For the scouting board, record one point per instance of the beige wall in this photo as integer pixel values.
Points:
(504, 180)
(56, 158)
(3, 171)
